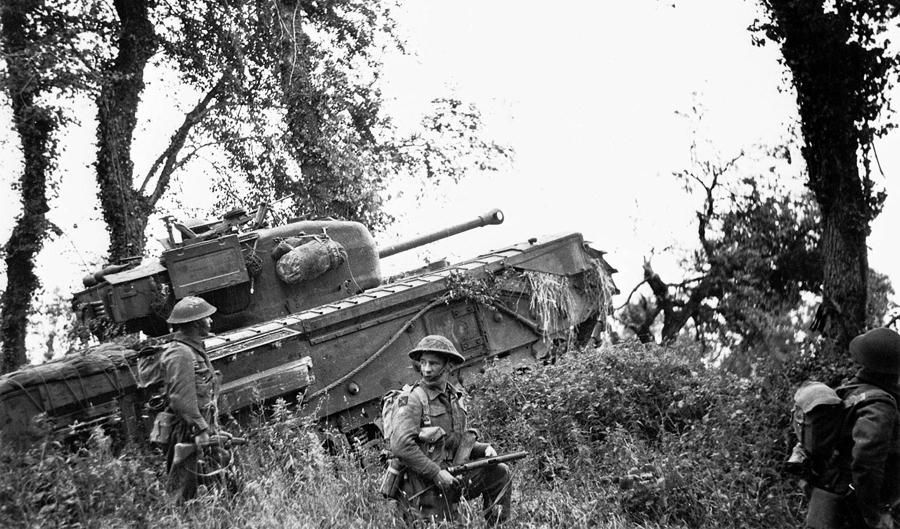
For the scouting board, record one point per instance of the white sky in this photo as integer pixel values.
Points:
(585, 92)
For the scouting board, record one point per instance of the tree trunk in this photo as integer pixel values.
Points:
(124, 209)
(835, 78)
(303, 116)
(35, 126)
(844, 272)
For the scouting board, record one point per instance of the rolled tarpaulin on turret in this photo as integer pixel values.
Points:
(310, 260)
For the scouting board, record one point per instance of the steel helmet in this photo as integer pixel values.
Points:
(814, 394)
(437, 344)
(190, 308)
(877, 350)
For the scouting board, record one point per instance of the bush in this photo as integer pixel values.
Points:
(623, 437)
(665, 438)
(288, 480)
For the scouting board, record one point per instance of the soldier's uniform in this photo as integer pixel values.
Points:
(863, 484)
(442, 405)
(869, 461)
(191, 388)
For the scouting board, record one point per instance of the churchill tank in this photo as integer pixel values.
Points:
(305, 315)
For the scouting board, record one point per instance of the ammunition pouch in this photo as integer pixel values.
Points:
(431, 434)
(162, 428)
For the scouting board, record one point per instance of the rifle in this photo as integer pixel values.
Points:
(488, 461)
(185, 450)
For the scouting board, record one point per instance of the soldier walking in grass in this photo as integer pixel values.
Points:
(862, 485)
(191, 387)
(431, 433)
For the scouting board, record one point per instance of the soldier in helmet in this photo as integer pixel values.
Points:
(429, 491)
(191, 387)
(867, 482)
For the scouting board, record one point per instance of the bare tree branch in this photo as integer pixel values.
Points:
(628, 299)
(169, 158)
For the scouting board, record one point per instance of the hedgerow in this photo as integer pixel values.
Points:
(622, 437)
(663, 438)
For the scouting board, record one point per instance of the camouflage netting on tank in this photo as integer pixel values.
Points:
(310, 260)
(554, 302)
(600, 286)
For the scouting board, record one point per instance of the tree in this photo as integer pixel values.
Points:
(840, 70)
(285, 103)
(757, 256)
(35, 122)
(121, 81)
(879, 304)
(289, 99)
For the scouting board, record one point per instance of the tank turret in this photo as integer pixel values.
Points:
(252, 275)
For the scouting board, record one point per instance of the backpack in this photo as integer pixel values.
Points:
(817, 418)
(149, 369)
(821, 419)
(390, 410)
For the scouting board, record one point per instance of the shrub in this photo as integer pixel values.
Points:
(668, 439)
(622, 437)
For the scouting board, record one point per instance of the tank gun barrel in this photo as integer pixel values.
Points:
(494, 216)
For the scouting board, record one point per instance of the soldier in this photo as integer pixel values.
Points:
(191, 387)
(429, 491)
(867, 483)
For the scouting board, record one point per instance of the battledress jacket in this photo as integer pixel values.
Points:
(190, 379)
(871, 462)
(431, 404)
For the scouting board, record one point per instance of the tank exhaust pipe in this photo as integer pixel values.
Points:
(494, 216)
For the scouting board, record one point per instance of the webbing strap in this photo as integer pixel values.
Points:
(117, 383)
(24, 390)
(426, 405)
(45, 385)
(877, 394)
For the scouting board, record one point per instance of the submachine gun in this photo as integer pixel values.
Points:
(390, 486)
(486, 462)
(216, 453)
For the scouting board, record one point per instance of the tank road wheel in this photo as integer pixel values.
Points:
(365, 438)
(364, 443)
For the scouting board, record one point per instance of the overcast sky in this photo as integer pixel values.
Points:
(587, 95)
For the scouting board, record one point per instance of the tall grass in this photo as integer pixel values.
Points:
(619, 438)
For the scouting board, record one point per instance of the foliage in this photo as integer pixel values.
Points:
(841, 68)
(756, 266)
(626, 437)
(286, 102)
(461, 285)
(53, 320)
(25, 82)
(288, 481)
(657, 438)
(878, 304)
(283, 101)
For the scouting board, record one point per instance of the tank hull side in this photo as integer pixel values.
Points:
(341, 357)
